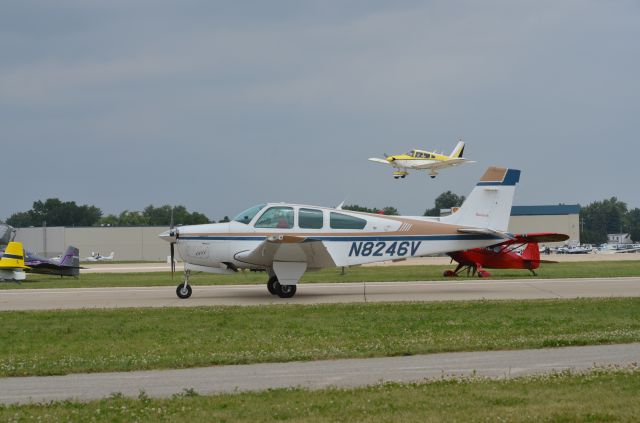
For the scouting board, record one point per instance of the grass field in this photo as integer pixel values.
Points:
(354, 274)
(61, 342)
(597, 396)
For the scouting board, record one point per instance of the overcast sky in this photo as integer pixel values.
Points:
(221, 105)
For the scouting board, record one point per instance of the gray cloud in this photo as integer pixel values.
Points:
(217, 105)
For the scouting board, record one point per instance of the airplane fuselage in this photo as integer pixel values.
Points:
(383, 238)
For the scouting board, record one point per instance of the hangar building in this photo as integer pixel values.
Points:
(562, 218)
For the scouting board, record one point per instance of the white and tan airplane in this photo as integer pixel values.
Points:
(423, 160)
(286, 240)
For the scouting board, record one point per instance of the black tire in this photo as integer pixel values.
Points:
(183, 292)
(286, 291)
(271, 285)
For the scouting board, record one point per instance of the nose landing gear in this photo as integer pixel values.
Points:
(184, 289)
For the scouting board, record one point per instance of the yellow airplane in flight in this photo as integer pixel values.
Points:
(423, 160)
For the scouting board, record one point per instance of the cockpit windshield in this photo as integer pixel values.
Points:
(411, 153)
(247, 215)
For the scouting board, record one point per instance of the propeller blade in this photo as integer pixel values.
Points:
(173, 263)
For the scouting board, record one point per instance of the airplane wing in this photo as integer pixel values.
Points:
(443, 164)
(538, 237)
(49, 265)
(287, 248)
(374, 159)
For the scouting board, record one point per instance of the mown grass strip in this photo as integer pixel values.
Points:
(596, 396)
(354, 274)
(61, 342)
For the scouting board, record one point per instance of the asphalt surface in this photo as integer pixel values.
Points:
(316, 374)
(453, 290)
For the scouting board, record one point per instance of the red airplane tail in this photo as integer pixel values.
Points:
(531, 252)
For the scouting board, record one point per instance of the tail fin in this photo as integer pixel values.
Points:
(457, 152)
(110, 256)
(489, 204)
(13, 257)
(531, 252)
(71, 257)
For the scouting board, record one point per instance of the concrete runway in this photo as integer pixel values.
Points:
(315, 374)
(460, 289)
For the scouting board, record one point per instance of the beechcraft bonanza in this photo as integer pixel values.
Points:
(423, 160)
(286, 240)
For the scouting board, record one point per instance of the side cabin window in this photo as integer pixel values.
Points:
(411, 153)
(310, 219)
(343, 221)
(276, 217)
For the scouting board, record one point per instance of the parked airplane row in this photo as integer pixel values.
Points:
(67, 264)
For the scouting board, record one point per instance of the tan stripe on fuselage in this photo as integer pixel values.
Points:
(413, 227)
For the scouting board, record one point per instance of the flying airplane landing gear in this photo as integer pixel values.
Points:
(184, 289)
(282, 291)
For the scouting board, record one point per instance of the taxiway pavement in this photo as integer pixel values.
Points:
(315, 374)
(316, 293)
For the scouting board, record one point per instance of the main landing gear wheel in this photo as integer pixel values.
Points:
(282, 291)
(286, 291)
(183, 291)
(271, 285)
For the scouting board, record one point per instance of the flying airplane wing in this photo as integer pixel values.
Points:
(383, 161)
(443, 164)
(284, 248)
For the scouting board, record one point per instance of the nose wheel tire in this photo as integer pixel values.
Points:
(183, 291)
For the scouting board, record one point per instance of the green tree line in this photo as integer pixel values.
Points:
(596, 219)
(54, 212)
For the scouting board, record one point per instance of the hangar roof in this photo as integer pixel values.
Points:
(559, 209)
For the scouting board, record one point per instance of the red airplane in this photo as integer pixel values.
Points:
(505, 255)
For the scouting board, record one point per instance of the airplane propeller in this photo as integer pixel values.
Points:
(173, 233)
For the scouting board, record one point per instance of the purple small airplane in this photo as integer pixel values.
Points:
(67, 265)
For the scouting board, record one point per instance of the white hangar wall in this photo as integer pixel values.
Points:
(128, 243)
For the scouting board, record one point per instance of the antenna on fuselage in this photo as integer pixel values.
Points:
(339, 207)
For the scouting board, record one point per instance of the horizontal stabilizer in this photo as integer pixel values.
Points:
(484, 231)
(541, 237)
